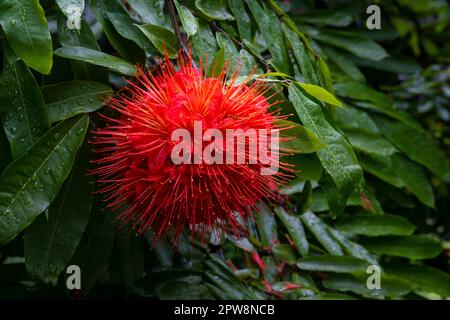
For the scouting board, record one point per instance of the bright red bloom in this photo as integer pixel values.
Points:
(135, 168)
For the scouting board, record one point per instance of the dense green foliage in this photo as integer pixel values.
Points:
(372, 181)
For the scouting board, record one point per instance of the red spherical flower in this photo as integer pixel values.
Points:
(168, 184)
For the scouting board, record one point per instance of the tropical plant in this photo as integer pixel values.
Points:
(371, 185)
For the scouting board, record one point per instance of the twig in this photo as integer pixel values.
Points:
(176, 28)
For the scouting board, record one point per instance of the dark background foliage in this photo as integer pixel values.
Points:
(372, 144)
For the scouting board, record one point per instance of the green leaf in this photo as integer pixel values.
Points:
(320, 94)
(352, 42)
(301, 56)
(284, 253)
(150, 11)
(267, 226)
(301, 139)
(24, 113)
(187, 19)
(294, 226)
(352, 248)
(126, 27)
(163, 39)
(391, 287)
(29, 184)
(217, 64)
(270, 28)
(343, 62)
(422, 278)
(204, 42)
(308, 166)
(5, 150)
(242, 18)
(25, 27)
(412, 247)
(214, 9)
(81, 38)
(51, 241)
(329, 263)
(416, 144)
(398, 65)
(338, 158)
(95, 248)
(98, 58)
(67, 99)
(400, 172)
(67, 7)
(131, 257)
(126, 48)
(334, 17)
(372, 99)
(376, 225)
(319, 229)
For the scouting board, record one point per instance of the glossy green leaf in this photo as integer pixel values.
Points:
(422, 278)
(204, 42)
(67, 99)
(51, 241)
(319, 229)
(25, 27)
(391, 287)
(284, 253)
(242, 18)
(29, 184)
(352, 42)
(344, 63)
(214, 9)
(352, 248)
(125, 26)
(416, 144)
(372, 99)
(376, 225)
(150, 11)
(24, 113)
(71, 7)
(95, 248)
(187, 19)
(413, 247)
(320, 94)
(81, 38)
(295, 229)
(271, 31)
(328, 263)
(301, 139)
(98, 58)
(301, 56)
(338, 158)
(399, 171)
(217, 64)
(267, 226)
(126, 48)
(163, 39)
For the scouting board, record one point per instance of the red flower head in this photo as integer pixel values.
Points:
(166, 158)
